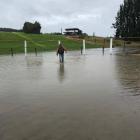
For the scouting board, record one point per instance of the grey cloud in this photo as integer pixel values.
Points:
(89, 15)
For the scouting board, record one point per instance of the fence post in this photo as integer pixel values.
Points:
(81, 48)
(111, 43)
(95, 40)
(104, 45)
(35, 51)
(59, 42)
(84, 47)
(124, 46)
(25, 47)
(12, 52)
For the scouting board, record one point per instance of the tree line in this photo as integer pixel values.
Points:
(34, 28)
(9, 30)
(127, 23)
(28, 27)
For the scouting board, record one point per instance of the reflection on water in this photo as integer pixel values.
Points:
(61, 72)
(41, 99)
(34, 61)
(129, 73)
(34, 66)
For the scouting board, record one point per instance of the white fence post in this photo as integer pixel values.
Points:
(25, 47)
(111, 44)
(84, 47)
(59, 42)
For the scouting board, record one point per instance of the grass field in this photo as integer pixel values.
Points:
(42, 42)
(48, 42)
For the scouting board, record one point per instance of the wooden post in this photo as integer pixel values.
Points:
(104, 45)
(81, 50)
(124, 46)
(35, 51)
(12, 52)
(95, 40)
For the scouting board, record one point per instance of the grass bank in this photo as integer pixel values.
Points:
(42, 42)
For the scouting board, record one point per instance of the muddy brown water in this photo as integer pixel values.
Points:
(91, 97)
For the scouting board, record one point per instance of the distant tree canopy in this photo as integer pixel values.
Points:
(9, 30)
(33, 28)
(128, 19)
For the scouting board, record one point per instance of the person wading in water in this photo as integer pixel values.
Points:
(60, 52)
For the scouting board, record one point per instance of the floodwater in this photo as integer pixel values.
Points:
(91, 97)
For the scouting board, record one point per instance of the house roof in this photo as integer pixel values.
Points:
(70, 29)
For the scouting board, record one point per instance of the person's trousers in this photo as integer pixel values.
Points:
(61, 58)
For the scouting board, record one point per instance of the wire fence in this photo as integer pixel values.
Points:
(18, 46)
(125, 45)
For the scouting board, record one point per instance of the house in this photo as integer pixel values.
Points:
(73, 32)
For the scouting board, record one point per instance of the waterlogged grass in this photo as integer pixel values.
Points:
(42, 42)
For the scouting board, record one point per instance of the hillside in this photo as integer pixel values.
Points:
(42, 42)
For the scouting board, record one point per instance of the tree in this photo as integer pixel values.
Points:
(36, 28)
(128, 19)
(32, 27)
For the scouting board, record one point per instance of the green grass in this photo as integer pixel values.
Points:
(42, 42)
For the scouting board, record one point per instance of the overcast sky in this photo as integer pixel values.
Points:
(89, 15)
